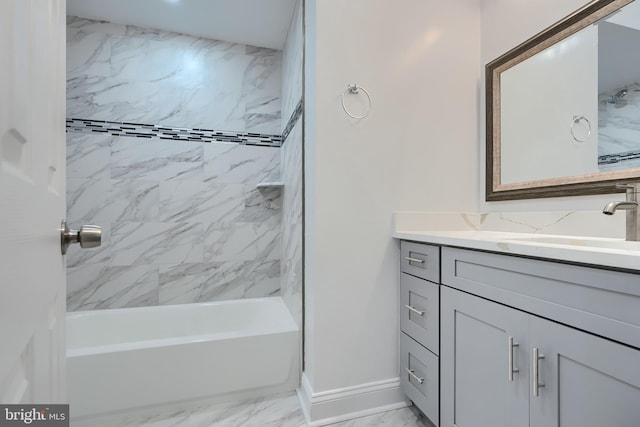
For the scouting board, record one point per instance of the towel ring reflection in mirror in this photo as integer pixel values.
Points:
(355, 90)
(575, 121)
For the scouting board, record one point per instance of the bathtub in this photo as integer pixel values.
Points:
(126, 359)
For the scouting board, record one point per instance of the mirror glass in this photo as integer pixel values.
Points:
(563, 108)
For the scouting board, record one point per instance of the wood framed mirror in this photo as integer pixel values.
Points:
(563, 108)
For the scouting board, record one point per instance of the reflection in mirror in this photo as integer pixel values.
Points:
(619, 90)
(563, 108)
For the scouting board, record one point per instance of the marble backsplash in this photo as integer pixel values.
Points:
(183, 221)
(130, 74)
(571, 223)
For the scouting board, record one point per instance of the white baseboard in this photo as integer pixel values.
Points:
(343, 404)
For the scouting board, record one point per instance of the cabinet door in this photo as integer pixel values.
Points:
(475, 387)
(588, 381)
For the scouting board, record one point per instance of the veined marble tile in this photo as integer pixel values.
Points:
(263, 75)
(90, 26)
(102, 286)
(115, 99)
(156, 159)
(176, 418)
(271, 411)
(619, 123)
(261, 51)
(292, 175)
(404, 417)
(88, 53)
(88, 155)
(259, 119)
(200, 202)
(126, 73)
(222, 281)
(262, 88)
(242, 241)
(181, 283)
(135, 243)
(291, 259)
(233, 163)
(137, 59)
(582, 223)
(85, 201)
(110, 201)
(263, 279)
(216, 281)
(291, 269)
(292, 66)
(265, 412)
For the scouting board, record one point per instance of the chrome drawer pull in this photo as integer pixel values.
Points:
(408, 307)
(510, 346)
(415, 377)
(534, 374)
(411, 259)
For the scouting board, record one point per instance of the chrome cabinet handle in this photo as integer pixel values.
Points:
(416, 311)
(411, 259)
(510, 346)
(534, 371)
(89, 236)
(415, 377)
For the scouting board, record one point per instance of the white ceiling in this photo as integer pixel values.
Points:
(261, 23)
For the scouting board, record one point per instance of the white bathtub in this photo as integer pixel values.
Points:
(125, 359)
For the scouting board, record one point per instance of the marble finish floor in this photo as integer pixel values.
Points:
(280, 411)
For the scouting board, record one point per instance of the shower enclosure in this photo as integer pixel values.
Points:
(188, 152)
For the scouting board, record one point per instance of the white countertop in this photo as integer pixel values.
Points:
(599, 251)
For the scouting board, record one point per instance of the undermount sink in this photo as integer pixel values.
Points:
(583, 242)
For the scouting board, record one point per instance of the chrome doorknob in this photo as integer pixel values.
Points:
(89, 236)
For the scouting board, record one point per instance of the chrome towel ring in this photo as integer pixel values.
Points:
(354, 89)
(576, 120)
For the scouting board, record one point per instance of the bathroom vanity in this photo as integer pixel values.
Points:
(492, 335)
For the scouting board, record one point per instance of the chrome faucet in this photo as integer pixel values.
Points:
(632, 208)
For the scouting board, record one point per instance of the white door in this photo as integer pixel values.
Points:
(32, 201)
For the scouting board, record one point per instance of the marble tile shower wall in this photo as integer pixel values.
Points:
(130, 74)
(291, 160)
(183, 221)
(619, 129)
(292, 71)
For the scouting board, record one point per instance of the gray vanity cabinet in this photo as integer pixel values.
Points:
(489, 374)
(420, 326)
(588, 381)
(475, 389)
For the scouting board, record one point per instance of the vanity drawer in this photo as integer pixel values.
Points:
(420, 311)
(420, 260)
(419, 377)
(603, 302)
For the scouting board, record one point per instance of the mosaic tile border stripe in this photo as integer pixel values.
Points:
(297, 113)
(618, 157)
(172, 133)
